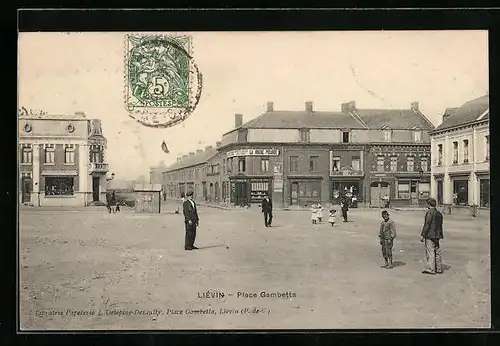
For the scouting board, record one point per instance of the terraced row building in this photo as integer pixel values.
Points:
(305, 156)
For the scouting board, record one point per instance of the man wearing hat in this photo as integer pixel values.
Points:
(191, 221)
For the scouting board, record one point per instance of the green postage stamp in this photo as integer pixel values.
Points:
(162, 82)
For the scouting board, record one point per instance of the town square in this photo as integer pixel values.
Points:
(209, 191)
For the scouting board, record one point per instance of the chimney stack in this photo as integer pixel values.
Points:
(414, 106)
(208, 147)
(344, 107)
(238, 120)
(270, 106)
(185, 156)
(218, 144)
(351, 106)
(199, 151)
(179, 158)
(191, 153)
(309, 106)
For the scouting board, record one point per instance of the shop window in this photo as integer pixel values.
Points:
(313, 163)
(49, 153)
(264, 165)
(424, 190)
(487, 148)
(394, 163)
(404, 190)
(484, 193)
(461, 192)
(310, 189)
(410, 164)
(59, 186)
(294, 163)
(380, 163)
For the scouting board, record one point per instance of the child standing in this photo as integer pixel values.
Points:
(314, 214)
(387, 234)
(320, 212)
(332, 217)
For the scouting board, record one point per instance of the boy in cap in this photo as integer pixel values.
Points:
(387, 234)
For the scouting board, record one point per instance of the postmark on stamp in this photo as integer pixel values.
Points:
(162, 82)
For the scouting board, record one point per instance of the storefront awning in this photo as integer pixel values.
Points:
(59, 173)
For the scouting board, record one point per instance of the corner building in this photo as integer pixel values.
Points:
(302, 157)
(62, 160)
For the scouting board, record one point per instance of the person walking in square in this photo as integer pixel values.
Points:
(345, 209)
(191, 221)
(267, 209)
(432, 233)
(387, 234)
(332, 217)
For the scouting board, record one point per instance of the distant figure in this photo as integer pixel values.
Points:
(354, 201)
(164, 196)
(455, 198)
(432, 233)
(191, 221)
(332, 217)
(314, 214)
(387, 234)
(320, 212)
(387, 201)
(267, 209)
(345, 209)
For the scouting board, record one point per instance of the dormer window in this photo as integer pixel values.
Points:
(417, 135)
(387, 134)
(304, 135)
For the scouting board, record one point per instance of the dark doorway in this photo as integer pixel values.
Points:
(440, 192)
(294, 193)
(95, 189)
(241, 193)
(461, 189)
(26, 187)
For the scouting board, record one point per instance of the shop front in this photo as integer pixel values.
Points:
(460, 190)
(304, 192)
(247, 191)
(484, 190)
(346, 189)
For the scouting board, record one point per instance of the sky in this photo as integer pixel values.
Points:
(63, 73)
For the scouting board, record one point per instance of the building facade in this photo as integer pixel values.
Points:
(460, 152)
(303, 157)
(62, 160)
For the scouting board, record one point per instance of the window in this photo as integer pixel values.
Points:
(241, 164)
(387, 135)
(410, 164)
(404, 190)
(335, 164)
(345, 136)
(440, 155)
(394, 163)
(49, 153)
(242, 135)
(309, 189)
(356, 163)
(313, 163)
(455, 152)
(69, 154)
(294, 163)
(224, 167)
(304, 135)
(466, 151)
(96, 154)
(424, 190)
(264, 165)
(230, 164)
(417, 136)
(27, 154)
(487, 147)
(424, 164)
(57, 186)
(380, 163)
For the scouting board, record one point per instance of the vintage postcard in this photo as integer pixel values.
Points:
(253, 180)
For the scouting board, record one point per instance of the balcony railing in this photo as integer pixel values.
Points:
(347, 172)
(96, 167)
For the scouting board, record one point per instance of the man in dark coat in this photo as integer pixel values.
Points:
(345, 209)
(267, 209)
(432, 232)
(191, 221)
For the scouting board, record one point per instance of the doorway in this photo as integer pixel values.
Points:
(95, 189)
(241, 193)
(413, 192)
(294, 193)
(440, 192)
(378, 189)
(26, 187)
